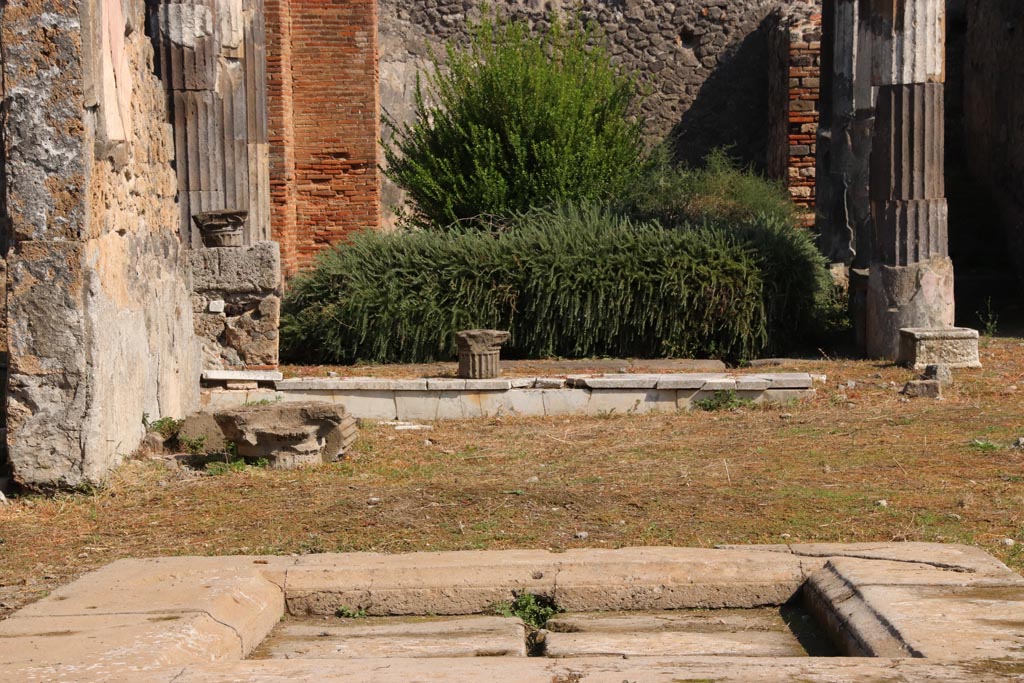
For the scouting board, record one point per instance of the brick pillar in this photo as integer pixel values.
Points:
(324, 123)
(794, 81)
(911, 278)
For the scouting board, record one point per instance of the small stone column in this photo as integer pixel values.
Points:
(479, 351)
(911, 280)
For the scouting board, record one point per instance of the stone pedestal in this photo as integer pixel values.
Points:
(479, 352)
(952, 347)
(918, 295)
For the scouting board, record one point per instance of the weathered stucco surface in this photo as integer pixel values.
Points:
(99, 310)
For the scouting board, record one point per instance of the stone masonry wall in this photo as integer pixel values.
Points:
(703, 62)
(324, 123)
(794, 81)
(994, 110)
(99, 312)
(236, 302)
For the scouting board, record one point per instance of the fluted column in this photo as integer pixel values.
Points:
(911, 277)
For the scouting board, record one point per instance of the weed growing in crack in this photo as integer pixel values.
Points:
(346, 612)
(534, 610)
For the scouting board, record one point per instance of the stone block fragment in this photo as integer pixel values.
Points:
(289, 435)
(954, 347)
(923, 388)
(940, 372)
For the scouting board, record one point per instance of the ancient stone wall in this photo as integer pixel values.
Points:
(324, 123)
(703, 62)
(994, 110)
(99, 312)
(794, 80)
(236, 302)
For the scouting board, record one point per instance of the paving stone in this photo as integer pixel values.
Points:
(232, 385)
(397, 637)
(450, 583)
(673, 644)
(452, 406)
(116, 641)
(752, 384)
(687, 381)
(233, 591)
(752, 633)
(960, 558)
(488, 385)
(565, 401)
(242, 376)
(369, 405)
(515, 402)
(416, 405)
(592, 670)
(787, 380)
(446, 384)
(626, 402)
(221, 399)
(674, 578)
(618, 382)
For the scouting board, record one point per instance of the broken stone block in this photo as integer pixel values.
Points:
(923, 388)
(954, 347)
(940, 372)
(289, 436)
(479, 352)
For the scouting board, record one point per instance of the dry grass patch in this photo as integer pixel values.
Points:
(816, 471)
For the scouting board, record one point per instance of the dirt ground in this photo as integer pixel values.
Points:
(859, 462)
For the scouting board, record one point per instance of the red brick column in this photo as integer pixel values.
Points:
(324, 124)
(794, 90)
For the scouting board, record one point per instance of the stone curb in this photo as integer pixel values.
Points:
(447, 399)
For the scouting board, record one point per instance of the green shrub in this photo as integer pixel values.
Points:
(515, 121)
(569, 282)
(719, 193)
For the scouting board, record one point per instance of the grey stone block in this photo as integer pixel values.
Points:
(954, 347)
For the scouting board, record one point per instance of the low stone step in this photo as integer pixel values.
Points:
(396, 637)
(748, 633)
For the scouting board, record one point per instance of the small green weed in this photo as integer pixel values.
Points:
(988, 318)
(193, 446)
(984, 445)
(534, 610)
(723, 400)
(221, 468)
(165, 426)
(346, 612)
(234, 464)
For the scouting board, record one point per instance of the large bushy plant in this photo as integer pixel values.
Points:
(515, 120)
(571, 282)
(718, 192)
